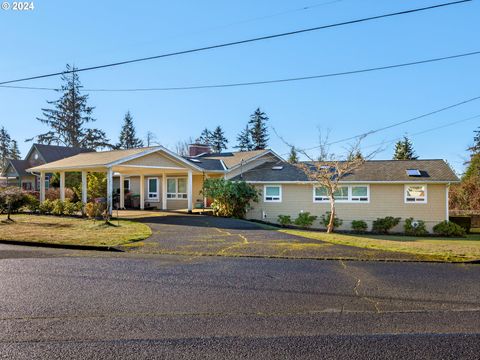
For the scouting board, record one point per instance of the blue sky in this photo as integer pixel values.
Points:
(94, 32)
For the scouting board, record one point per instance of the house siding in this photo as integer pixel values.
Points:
(385, 200)
(154, 159)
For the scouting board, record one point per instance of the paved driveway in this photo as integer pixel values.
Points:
(186, 234)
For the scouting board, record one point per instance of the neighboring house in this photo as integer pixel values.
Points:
(16, 174)
(164, 180)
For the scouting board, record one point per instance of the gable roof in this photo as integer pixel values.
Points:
(206, 163)
(235, 158)
(51, 153)
(20, 166)
(104, 159)
(370, 171)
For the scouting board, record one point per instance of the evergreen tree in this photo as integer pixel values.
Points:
(475, 148)
(404, 150)
(293, 156)
(69, 116)
(128, 138)
(258, 129)
(14, 152)
(218, 140)
(5, 148)
(244, 140)
(205, 137)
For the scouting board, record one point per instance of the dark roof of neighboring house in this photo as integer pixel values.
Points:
(206, 163)
(20, 166)
(370, 171)
(52, 153)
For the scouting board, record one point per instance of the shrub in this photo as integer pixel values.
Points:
(231, 198)
(384, 225)
(46, 207)
(70, 208)
(463, 221)
(284, 220)
(304, 219)
(448, 228)
(415, 227)
(325, 220)
(11, 200)
(57, 207)
(359, 226)
(54, 194)
(95, 210)
(32, 203)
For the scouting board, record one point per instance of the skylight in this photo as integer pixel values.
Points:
(277, 167)
(194, 160)
(413, 172)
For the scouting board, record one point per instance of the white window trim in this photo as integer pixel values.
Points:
(126, 187)
(175, 195)
(415, 202)
(279, 200)
(157, 197)
(349, 200)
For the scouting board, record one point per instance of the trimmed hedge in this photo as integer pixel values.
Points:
(463, 221)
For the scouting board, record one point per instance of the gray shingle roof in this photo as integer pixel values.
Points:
(20, 166)
(205, 163)
(370, 171)
(54, 152)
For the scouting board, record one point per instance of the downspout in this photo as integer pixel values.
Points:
(447, 212)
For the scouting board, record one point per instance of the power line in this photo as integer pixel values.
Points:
(264, 82)
(395, 124)
(233, 43)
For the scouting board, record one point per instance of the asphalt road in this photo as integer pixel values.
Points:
(58, 304)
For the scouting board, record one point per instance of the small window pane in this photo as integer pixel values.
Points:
(182, 185)
(321, 191)
(273, 191)
(359, 191)
(341, 193)
(171, 186)
(152, 185)
(126, 184)
(416, 191)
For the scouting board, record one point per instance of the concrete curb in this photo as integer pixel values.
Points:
(62, 246)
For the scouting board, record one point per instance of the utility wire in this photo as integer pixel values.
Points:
(365, 134)
(311, 77)
(233, 43)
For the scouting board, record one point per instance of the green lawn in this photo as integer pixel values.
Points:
(438, 248)
(72, 231)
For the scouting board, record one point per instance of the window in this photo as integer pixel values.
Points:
(359, 193)
(47, 183)
(126, 184)
(177, 188)
(27, 186)
(272, 193)
(351, 193)
(415, 193)
(152, 188)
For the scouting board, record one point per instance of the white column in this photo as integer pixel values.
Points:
(122, 192)
(164, 191)
(110, 190)
(84, 187)
(42, 186)
(447, 210)
(189, 191)
(142, 192)
(62, 185)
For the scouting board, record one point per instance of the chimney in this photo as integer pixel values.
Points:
(197, 149)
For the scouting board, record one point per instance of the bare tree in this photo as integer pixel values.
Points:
(328, 169)
(181, 147)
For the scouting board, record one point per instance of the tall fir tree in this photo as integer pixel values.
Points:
(14, 151)
(293, 156)
(404, 150)
(5, 148)
(218, 140)
(259, 130)
(205, 137)
(244, 140)
(128, 138)
(69, 116)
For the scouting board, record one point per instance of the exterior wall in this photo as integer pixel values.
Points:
(385, 200)
(251, 165)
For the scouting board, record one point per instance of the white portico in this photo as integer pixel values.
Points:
(160, 178)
